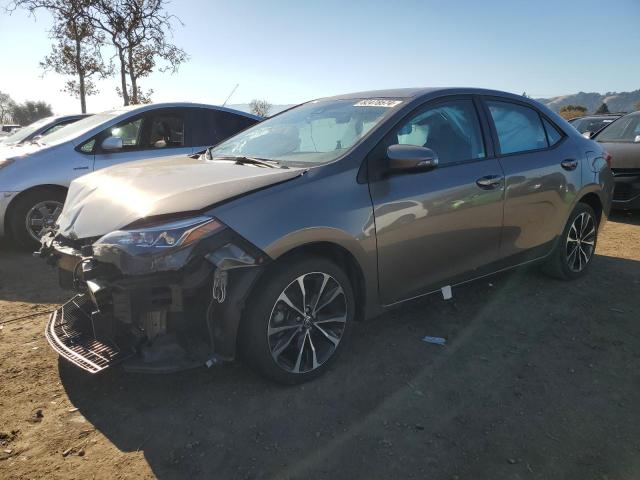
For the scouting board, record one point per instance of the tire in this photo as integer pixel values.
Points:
(285, 346)
(572, 259)
(26, 205)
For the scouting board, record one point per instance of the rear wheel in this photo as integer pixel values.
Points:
(298, 320)
(574, 252)
(33, 213)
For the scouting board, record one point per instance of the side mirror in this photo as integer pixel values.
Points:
(587, 134)
(637, 139)
(112, 143)
(411, 158)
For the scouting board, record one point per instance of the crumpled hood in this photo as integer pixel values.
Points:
(114, 197)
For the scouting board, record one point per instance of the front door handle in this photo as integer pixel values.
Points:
(569, 164)
(489, 182)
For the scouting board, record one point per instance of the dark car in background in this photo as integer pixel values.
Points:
(7, 129)
(593, 123)
(40, 128)
(273, 243)
(622, 140)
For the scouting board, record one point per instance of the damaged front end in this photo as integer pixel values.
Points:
(156, 297)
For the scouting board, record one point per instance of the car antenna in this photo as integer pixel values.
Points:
(232, 92)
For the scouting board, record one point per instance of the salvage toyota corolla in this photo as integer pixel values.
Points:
(271, 244)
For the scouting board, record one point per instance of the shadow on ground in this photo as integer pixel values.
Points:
(539, 379)
(631, 217)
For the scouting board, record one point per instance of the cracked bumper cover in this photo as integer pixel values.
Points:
(116, 316)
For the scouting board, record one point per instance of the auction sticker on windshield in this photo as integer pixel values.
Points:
(377, 102)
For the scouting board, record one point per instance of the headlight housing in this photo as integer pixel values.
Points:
(160, 247)
(179, 233)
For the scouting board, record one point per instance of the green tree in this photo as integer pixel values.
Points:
(30, 111)
(602, 109)
(572, 111)
(638, 106)
(76, 50)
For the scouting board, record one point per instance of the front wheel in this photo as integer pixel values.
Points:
(298, 320)
(34, 213)
(574, 252)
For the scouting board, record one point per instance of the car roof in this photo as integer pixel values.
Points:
(600, 115)
(411, 93)
(154, 106)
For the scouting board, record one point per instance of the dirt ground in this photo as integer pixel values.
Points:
(539, 379)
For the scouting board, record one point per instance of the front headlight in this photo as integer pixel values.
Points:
(161, 238)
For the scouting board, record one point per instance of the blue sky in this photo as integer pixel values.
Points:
(291, 51)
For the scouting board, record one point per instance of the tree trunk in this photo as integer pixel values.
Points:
(134, 80)
(80, 70)
(123, 77)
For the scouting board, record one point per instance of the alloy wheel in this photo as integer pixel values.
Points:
(307, 322)
(42, 216)
(581, 241)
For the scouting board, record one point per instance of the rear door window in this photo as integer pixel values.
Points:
(519, 128)
(214, 126)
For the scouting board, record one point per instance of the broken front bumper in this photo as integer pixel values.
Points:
(71, 332)
(156, 322)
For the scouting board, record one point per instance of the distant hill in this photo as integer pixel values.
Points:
(244, 107)
(617, 102)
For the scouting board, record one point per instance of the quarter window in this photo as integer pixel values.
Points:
(553, 135)
(451, 129)
(519, 128)
(219, 125)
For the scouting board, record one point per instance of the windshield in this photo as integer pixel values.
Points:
(78, 128)
(624, 129)
(313, 133)
(23, 133)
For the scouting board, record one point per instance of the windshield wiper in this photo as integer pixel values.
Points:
(244, 160)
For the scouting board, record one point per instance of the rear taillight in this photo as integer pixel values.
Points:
(607, 158)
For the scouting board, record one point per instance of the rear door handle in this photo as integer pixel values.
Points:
(489, 182)
(569, 164)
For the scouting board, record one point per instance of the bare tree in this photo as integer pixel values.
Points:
(139, 31)
(6, 107)
(260, 107)
(76, 51)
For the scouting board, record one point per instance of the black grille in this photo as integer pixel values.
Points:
(70, 333)
(622, 192)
